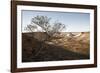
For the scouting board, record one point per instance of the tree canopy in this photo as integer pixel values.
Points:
(44, 22)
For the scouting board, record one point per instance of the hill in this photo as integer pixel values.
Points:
(65, 48)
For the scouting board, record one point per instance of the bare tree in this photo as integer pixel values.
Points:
(30, 28)
(50, 29)
(44, 23)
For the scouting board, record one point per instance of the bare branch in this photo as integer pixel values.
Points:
(44, 23)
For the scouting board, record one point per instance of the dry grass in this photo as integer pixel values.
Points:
(65, 48)
(78, 44)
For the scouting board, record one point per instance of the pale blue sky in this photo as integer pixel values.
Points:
(74, 21)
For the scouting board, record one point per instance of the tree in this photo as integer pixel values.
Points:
(44, 22)
(50, 29)
(31, 28)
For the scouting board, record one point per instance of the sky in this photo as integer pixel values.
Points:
(74, 21)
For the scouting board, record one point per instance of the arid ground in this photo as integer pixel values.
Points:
(67, 47)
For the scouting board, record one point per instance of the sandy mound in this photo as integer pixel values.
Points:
(79, 44)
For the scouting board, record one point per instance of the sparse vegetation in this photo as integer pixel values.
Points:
(50, 44)
(55, 49)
